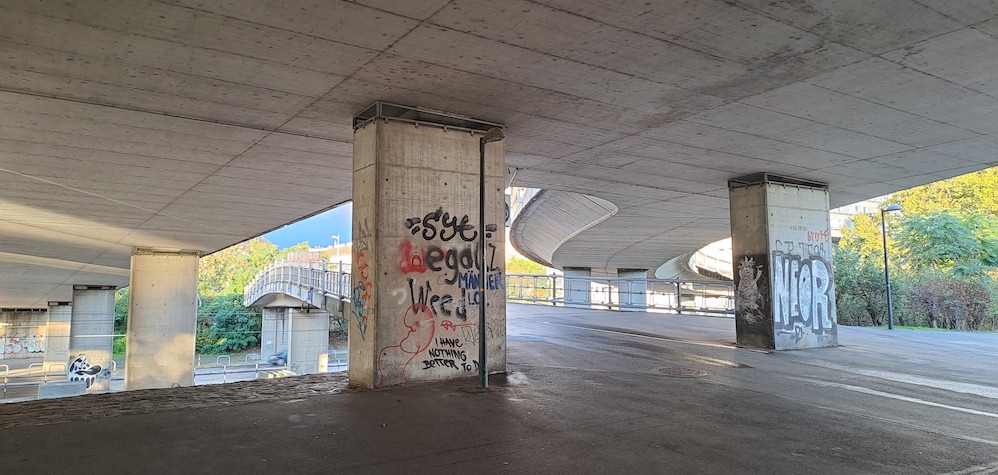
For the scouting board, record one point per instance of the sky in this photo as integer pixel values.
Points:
(317, 229)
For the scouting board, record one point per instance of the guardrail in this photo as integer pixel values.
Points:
(620, 293)
(717, 265)
(309, 282)
(614, 293)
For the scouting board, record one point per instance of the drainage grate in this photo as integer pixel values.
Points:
(682, 372)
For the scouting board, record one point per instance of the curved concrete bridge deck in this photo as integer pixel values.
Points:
(588, 392)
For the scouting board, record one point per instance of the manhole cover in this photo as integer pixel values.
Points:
(682, 372)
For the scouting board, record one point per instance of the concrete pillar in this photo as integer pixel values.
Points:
(308, 341)
(22, 333)
(577, 293)
(781, 244)
(633, 296)
(57, 331)
(162, 314)
(274, 334)
(92, 327)
(416, 264)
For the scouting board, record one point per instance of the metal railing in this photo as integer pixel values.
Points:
(712, 263)
(308, 281)
(321, 279)
(620, 293)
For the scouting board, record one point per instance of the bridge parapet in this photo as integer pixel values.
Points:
(309, 282)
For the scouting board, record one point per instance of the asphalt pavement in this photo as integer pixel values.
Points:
(588, 392)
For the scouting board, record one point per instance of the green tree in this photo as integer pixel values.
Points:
(965, 245)
(120, 319)
(225, 325)
(526, 287)
(519, 265)
(972, 193)
(230, 270)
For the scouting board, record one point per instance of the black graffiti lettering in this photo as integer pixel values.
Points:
(448, 353)
(464, 226)
(473, 366)
(468, 259)
(449, 342)
(434, 255)
(452, 264)
(461, 309)
(443, 225)
(439, 363)
(444, 301)
(424, 293)
(492, 262)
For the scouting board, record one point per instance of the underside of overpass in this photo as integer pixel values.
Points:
(192, 125)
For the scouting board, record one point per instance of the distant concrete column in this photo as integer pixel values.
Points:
(308, 340)
(92, 327)
(416, 255)
(577, 293)
(633, 296)
(57, 334)
(162, 315)
(274, 336)
(781, 244)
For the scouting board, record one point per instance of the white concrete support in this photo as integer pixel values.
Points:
(57, 334)
(92, 327)
(577, 291)
(632, 296)
(784, 288)
(162, 314)
(416, 257)
(309, 339)
(274, 334)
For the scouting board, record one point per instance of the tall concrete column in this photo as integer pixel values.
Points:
(308, 339)
(162, 315)
(633, 296)
(273, 335)
(781, 244)
(577, 291)
(416, 253)
(57, 334)
(92, 328)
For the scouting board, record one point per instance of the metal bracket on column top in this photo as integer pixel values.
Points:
(147, 251)
(770, 178)
(420, 116)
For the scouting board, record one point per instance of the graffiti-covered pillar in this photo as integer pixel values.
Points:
(308, 340)
(781, 245)
(162, 315)
(57, 331)
(417, 263)
(92, 328)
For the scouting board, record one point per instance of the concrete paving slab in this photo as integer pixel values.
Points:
(585, 395)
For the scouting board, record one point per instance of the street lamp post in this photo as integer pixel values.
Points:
(494, 134)
(887, 272)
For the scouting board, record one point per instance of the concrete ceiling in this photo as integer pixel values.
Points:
(194, 124)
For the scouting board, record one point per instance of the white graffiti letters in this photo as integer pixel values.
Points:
(802, 292)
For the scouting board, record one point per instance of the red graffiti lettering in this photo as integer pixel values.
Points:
(410, 263)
